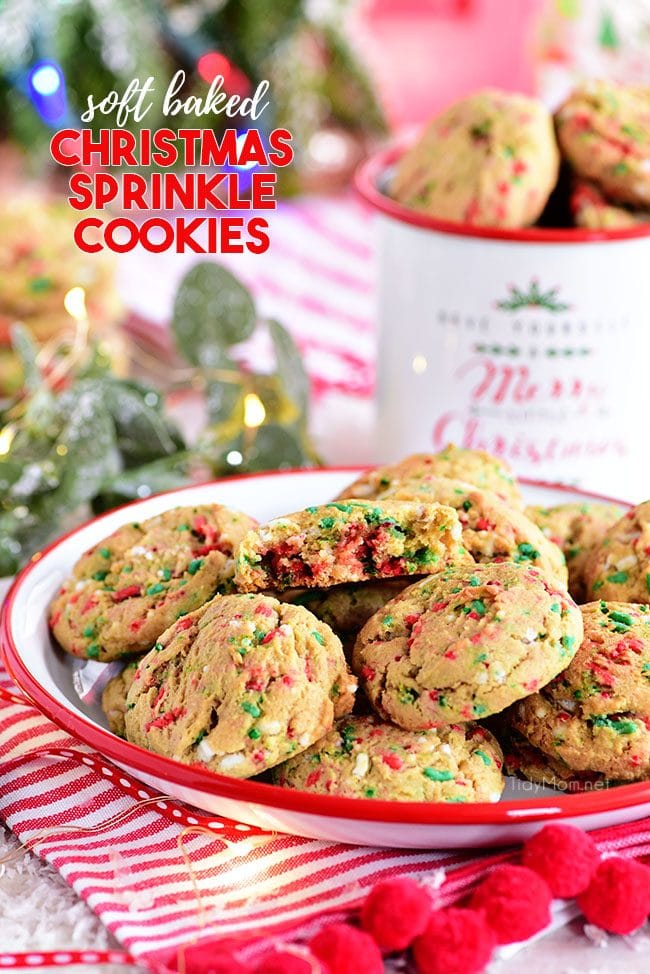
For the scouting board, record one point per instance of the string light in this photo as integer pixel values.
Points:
(6, 439)
(46, 89)
(254, 411)
(74, 303)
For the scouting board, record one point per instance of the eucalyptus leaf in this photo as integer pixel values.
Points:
(143, 433)
(212, 311)
(27, 350)
(275, 448)
(166, 473)
(89, 441)
(289, 367)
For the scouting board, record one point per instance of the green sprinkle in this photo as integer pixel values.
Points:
(199, 737)
(597, 585)
(481, 658)
(156, 589)
(182, 527)
(647, 582)
(434, 775)
(407, 695)
(254, 734)
(485, 758)
(327, 522)
(105, 552)
(479, 709)
(165, 574)
(311, 510)
(251, 708)
(370, 792)
(387, 620)
(317, 636)
(467, 505)
(622, 617)
(344, 508)
(89, 631)
(568, 641)
(194, 565)
(618, 578)
(478, 606)
(127, 569)
(158, 647)
(527, 552)
(347, 738)
(555, 607)
(93, 651)
(474, 581)
(619, 726)
(100, 576)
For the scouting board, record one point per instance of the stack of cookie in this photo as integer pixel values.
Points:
(497, 159)
(429, 582)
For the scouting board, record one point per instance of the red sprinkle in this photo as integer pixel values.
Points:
(165, 719)
(126, 593)
(393, 760)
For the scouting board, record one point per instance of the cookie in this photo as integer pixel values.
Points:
(347, 608)
(362, 757)
(610, 672)
(465, 643)
(488, 160)
(604, 132)
(576, 529)
(616, 746)
(239, 686)
(522, 760)
(592, 210)
(492, 530)
(114, 698)
(129, 588)
(471, 466)
(348, 541)
(618, 568)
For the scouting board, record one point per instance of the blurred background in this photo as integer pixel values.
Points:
(345, 76)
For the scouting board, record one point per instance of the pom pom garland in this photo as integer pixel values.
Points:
(618, 896)
(564, 856)
(515, 901)
(395, 912)
(345, 950)
(454, 942)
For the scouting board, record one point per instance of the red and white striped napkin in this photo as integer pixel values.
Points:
(162, 876)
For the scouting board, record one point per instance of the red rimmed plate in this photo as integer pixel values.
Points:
(45, 674)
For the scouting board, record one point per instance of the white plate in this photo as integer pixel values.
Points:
(45, 674)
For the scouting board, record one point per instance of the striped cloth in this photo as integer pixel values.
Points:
(162, 876)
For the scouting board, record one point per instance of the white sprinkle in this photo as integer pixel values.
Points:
(624, 563)
(569, 705)
(498, 673)
(304, 740)
(361, 766)
(269, 727)
(457, 531)
(481, 677)
(204, 751)
(231, 761)
(445, 748)
(529, 636)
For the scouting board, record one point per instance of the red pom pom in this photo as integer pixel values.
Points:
(346, 950)
(206, 958)
(285, 962)
(564, 856)
(618, 896)
(454, 942)
(515, 902)
(395, 912)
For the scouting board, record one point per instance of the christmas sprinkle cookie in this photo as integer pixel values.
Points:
(471, 466)
(576, 529)
(114, 698)
(489, 160)
(348, 541)
(129, 588)
(465, 643)
(618, 569)
(492, 529)
(604, 132)
(592, 211)
(522, 760)
(616, 746)
(362, 757)
(239, 686)
(347, 608)
(610, 672)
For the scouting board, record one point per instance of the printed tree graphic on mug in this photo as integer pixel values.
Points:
(534, 297)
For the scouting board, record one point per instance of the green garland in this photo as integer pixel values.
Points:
(94, 439)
